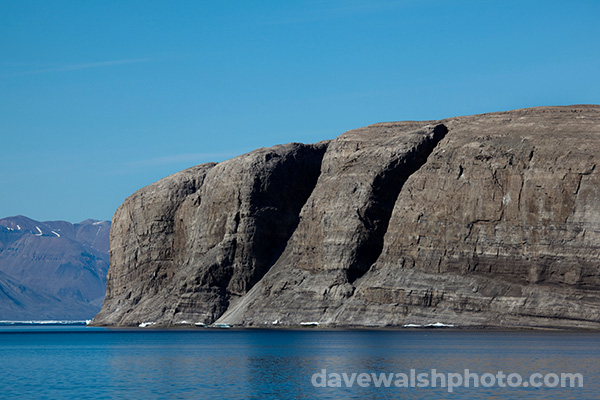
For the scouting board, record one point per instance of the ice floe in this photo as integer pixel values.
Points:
(46, 322)
(434, 325)
(439, 325)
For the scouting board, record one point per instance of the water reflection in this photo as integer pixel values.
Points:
(280, 364)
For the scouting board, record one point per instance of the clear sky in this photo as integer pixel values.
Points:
(100, 98)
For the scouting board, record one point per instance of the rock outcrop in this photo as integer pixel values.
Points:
(484, 220)
(186, 247)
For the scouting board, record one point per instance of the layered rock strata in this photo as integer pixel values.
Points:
(485, 220)
(187, 246)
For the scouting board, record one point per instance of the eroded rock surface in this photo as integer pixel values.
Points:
(485, 220)
(188, 245)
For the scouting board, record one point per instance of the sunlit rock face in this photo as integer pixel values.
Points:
(485, 220)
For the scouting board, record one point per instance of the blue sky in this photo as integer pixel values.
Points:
(98, 99)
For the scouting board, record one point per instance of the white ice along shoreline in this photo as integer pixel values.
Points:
(434, 325)
(47, 322)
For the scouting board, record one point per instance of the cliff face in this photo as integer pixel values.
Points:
(186, 247)
(485, 220)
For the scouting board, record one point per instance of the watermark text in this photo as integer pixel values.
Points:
(448, 380)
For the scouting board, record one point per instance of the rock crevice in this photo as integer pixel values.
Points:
(221, 227)
(386, 187)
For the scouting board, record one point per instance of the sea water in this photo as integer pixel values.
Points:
(78, 362)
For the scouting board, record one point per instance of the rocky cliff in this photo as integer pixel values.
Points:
(484, 220)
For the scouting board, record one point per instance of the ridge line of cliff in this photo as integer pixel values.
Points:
(385, 236)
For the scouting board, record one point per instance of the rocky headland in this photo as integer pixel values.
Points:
(488, 220)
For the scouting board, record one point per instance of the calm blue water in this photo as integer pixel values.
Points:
(90, 363)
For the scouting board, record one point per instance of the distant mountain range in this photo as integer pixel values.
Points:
(53, 269)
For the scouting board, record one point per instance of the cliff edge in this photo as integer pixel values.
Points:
(488, 220)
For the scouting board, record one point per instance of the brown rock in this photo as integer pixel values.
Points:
(186, 246)
(485, 220)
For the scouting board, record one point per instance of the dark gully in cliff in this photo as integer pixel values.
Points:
(489, 220)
